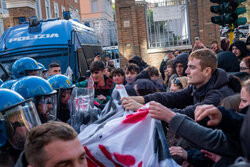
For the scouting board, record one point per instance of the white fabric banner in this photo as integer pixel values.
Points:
(131, 140)
(167, 13)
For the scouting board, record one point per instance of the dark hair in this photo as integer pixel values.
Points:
(132, 67)
(153, 71)
(145, 87)
(52, 65)
(117, 71)
(96, 66)
(109, 69)
(169, 63)
(242, 47)
(214, 42)
(41, 136)
(225, 44)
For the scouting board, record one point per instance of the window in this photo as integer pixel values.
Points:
(47, 9)
(1, 29)
(63, 9)
(76, 1)
(94, 6)
(1, 3)
(56, 10)
(38, 9)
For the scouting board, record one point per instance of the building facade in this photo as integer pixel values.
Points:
(99, 14)
(3, 14)
(21, 10)
(133, 36)
(48, 9)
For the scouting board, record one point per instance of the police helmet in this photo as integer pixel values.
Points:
(43, 94)
(26, 66)
(8, 84)
(44, 71)
(17, 118)
(42, 66)
(60, 81)
(64, 87)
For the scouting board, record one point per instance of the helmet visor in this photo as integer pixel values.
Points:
(63, 112)
(45, 74)
(20, 120)
(47, 107)
(34, 72)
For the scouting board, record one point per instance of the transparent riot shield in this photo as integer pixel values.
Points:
(63, 108)
(47, 107)
(80, 106)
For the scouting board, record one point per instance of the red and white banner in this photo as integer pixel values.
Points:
(132, 140)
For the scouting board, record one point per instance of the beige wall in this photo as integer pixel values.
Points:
(86, 13)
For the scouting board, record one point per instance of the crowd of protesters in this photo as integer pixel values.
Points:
(207, 82)
(201, 97)
(185, 84)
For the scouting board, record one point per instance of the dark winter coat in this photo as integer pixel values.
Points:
(186, 100)
(130, 89)
(138, 60)
(205, 138)
(245, 135)
(242, 47)
(144, 75)
(21, 162)
(228, 61)
(183, 59)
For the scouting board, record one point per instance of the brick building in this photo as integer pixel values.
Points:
(132, 29)
(46, 9)
(99, 15)
(21, 10)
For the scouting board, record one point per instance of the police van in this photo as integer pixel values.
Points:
(66, 42)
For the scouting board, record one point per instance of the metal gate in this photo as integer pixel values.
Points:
(105, 29)
(167, 23)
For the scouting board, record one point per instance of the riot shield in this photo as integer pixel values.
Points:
(82, 110)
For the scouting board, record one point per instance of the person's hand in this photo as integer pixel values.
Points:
(198, 45)
(138, 99)
(212, 156)
(169, 56)
(211, 111)
(160, 112)
(101, 97)
(178, 151)
(130, 104)
(98, 58)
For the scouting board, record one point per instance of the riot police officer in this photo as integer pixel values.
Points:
(43, 95)
(17, 118)
(26, 66)
(64, 87)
